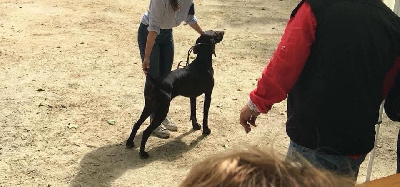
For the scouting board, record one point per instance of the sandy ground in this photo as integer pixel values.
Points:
(69, 66)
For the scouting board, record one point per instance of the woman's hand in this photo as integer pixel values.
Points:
(145, 65)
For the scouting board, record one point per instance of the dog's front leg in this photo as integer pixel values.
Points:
(195, 125)
(207, 102)
(145, 114)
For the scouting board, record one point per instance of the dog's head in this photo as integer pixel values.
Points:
(207, 39)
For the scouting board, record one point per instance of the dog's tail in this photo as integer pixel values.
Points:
(151, 79)
(151, 86)
(154, 82)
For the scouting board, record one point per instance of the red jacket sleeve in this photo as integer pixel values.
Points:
(390, 77)
(288, 60)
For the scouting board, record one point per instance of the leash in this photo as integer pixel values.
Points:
(187, 59)
(188, 55)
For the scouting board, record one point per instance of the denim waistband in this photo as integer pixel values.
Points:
(161, 30)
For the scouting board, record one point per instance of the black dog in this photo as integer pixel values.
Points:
(192, 81)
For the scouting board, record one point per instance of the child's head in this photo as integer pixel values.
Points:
(255, 168)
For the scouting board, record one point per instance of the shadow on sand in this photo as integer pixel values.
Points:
(104, 165)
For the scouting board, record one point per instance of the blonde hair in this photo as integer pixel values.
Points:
(256, 168)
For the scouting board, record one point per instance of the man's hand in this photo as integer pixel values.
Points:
(248, 117)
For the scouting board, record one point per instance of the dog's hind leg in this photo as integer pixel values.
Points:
(145, 114)
(196, 126)
(159, 116)
(207, 102)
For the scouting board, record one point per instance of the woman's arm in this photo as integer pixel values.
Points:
(197, 28)
(191, 20)
(151, 38)
(156, 12)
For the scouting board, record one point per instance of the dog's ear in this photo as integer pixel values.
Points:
(218, 36)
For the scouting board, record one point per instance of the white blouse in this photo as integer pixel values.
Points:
(161, 15)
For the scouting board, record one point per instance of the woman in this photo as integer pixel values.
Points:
(156, 42)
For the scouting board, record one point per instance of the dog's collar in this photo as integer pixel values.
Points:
(212, 43)
(191, 50)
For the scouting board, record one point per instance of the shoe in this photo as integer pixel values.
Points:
(169, 124)
(161, 132)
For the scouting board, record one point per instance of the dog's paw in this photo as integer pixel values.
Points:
(130, 144)
(196, 126)
(206, 132)
(144, 155)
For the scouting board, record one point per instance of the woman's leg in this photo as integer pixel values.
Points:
(154, 70)
(166, 52)
(166, 61)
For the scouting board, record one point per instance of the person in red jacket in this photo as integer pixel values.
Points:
(335, 63)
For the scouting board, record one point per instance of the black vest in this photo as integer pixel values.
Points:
(334, 104)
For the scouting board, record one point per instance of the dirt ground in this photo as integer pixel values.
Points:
(69, 66)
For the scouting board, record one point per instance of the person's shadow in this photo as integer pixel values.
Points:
(104, 165)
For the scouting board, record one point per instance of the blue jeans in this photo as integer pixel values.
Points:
(342, 165)
(162, 54)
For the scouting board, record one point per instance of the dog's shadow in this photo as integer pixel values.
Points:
(106, 164)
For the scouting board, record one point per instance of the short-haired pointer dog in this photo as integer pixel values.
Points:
(191, 81)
